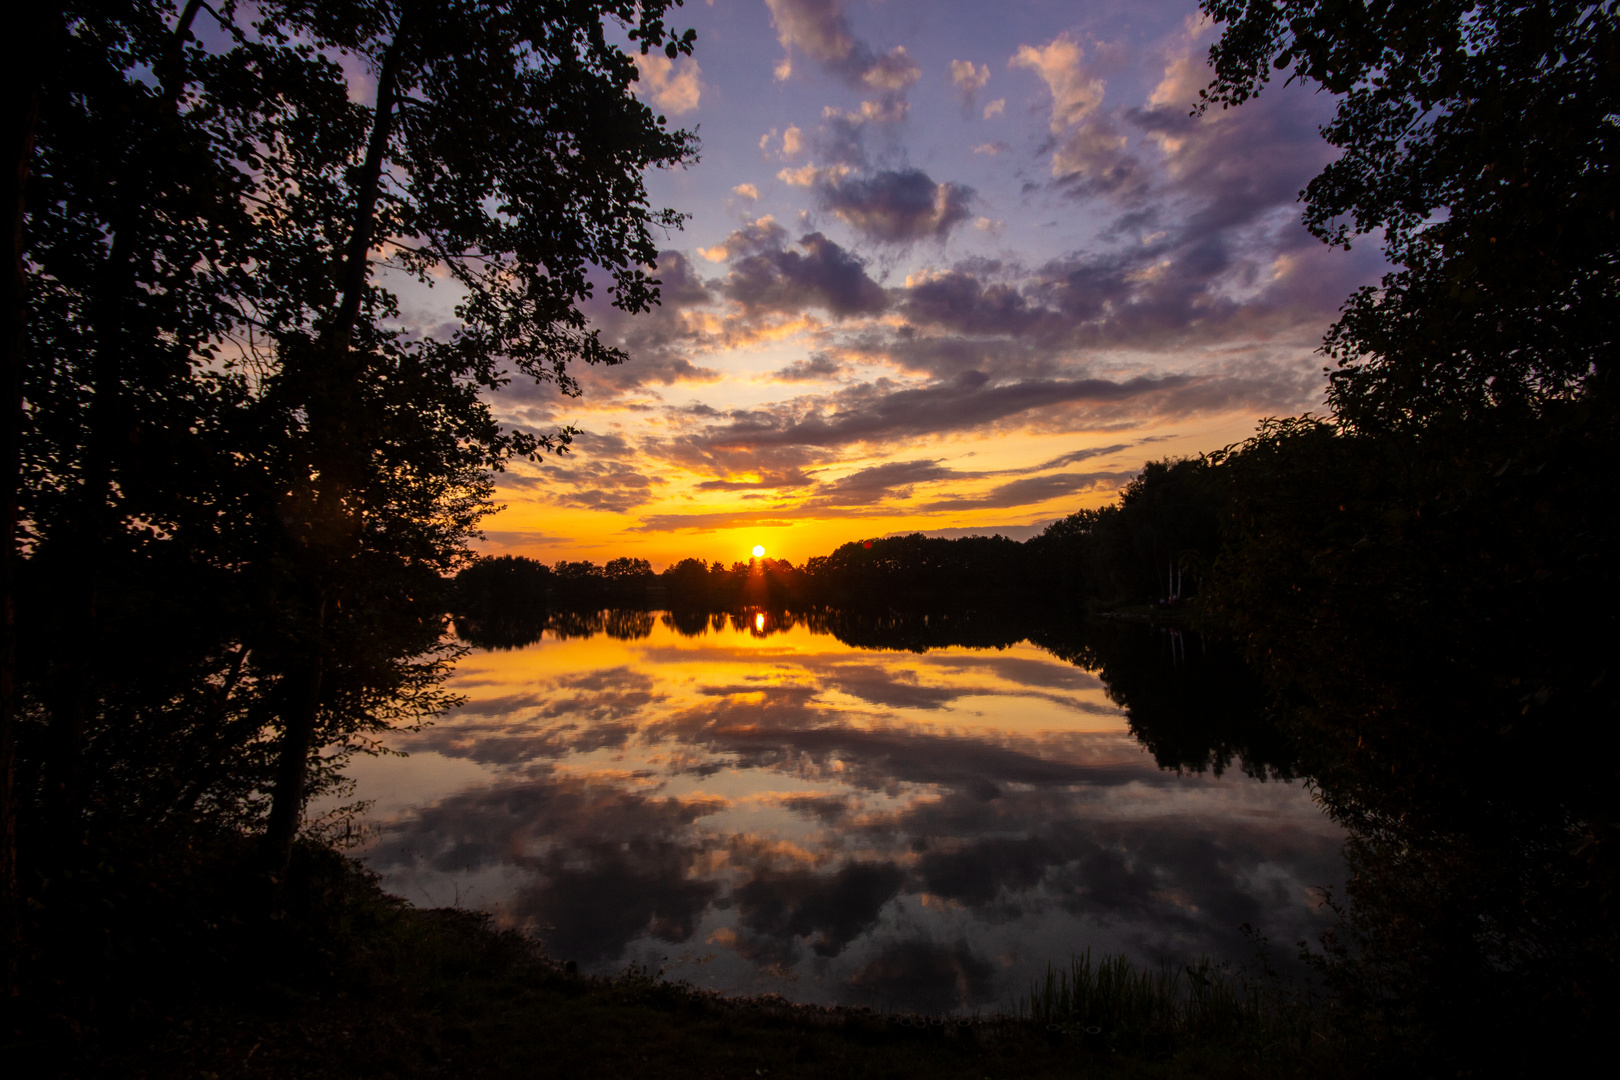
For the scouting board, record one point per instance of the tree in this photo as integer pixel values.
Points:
(505, 149)
(1478, 137)
(1424, 580)
(313, 470)
(1152, 545)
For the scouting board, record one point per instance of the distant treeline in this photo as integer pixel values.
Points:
(1154, 545)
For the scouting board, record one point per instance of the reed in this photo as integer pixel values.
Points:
(1113, 1004)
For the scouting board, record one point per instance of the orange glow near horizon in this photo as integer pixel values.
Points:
(687, 515)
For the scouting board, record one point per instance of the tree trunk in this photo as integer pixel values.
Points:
(298, 735)
(330, 410)
(356, 266)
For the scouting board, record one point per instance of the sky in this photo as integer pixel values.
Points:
(950, 267)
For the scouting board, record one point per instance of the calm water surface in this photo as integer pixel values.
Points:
(759, 809)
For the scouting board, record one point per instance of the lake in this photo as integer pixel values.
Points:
(755, 804)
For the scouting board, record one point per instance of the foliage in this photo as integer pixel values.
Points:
(1426, 579)
(1479, 139)
(1153, 545)
(1191, 701)
(1431, 615)
(244, 486)
(917, 568)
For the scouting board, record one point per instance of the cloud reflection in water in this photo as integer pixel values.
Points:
(785, 812)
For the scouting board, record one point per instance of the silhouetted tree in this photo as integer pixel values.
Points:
(1153, 545)
(217, 414)
(1427, 581)
(1478, 141)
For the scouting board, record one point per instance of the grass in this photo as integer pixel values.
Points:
(1116, 1006)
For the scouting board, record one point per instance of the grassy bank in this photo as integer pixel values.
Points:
(348, 982)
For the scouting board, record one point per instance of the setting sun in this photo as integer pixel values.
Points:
(759, 551)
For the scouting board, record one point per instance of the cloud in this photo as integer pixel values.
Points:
(819, 368)
(1200, 294)
(880, 412)
(792, 142)
(660, 342)
(815, 27)
(1020, 670)
(819, 29)
(762, 234)
(894, 71)
(959, 301)
(1076, 94)
(1088, 144)
(830, 910)
(995, 108)
(928, 976)
(767, 276)
(891, 480)
(897, 206)
(768, 480)
(810, 175)
(713, 521)
(675, 87)
(1074, 456)
(840, 139)
(1095, 154)
(969, 80)
(594, 891)
(782, 728)
(910, 837)
(991, 148)
(1033, 490)
(891, 689)
(595, 476)
(877, 487)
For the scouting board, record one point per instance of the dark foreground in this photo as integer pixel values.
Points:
(344, 981)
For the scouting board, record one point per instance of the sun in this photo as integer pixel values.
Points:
(759, 551)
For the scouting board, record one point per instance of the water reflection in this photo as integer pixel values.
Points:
(778, 802)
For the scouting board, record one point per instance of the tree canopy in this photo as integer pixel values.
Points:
(1425, 576)
(1479, 142)
(243, 480)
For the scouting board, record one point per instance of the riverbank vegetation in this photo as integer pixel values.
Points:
(350, 982)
